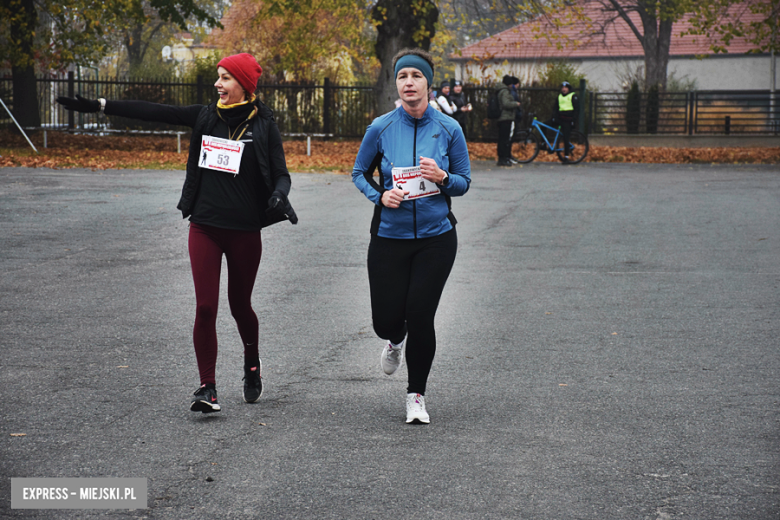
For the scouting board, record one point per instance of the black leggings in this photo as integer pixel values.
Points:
(407, 278)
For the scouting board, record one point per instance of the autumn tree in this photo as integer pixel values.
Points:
(399, 24)
(52, 34)
(20, 19)
(49, 34)
(147, 20)
(138, 36)
(654, 31)
(651, 22)
(299, 40)
(721, 21)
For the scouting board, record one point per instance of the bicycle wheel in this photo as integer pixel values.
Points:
(578, 148)
(525, 147)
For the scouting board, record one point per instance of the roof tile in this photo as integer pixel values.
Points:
(582, 40)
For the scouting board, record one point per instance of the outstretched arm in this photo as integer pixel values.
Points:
(143, 110)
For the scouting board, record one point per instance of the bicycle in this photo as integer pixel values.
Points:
(527, 144)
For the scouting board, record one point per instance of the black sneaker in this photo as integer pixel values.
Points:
(505, 162)
(205, 400)
(513, 160)
(253, 383)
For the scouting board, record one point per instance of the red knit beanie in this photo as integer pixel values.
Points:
(244, 68)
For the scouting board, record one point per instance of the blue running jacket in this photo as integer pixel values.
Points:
(397, 140)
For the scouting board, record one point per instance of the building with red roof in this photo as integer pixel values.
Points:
(610, 58)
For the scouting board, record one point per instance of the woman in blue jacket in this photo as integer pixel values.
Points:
(422, 161)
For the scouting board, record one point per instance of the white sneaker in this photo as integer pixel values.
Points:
(391, 358)
(415, 409)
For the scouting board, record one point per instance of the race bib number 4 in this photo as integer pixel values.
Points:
(410, 179)
(220, 154)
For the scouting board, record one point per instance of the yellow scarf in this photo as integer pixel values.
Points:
(220, 105)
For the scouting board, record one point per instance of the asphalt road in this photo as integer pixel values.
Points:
(608, 349)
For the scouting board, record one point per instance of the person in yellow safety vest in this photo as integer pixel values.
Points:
(567, 107)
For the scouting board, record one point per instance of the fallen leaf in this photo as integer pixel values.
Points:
(110, 152)
(18, 435)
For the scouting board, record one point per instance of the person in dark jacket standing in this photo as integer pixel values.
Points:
(514, 89)
(505, 121)
(423, 161)
(565, 111)
(459, 100)
(236, 184)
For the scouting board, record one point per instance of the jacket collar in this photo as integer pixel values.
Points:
(262, 109)
(409, 120)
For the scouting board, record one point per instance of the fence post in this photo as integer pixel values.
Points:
(591, 111)
(581, 115)
(691, 103)
(71, 94)
(326, 93)
(199, 94)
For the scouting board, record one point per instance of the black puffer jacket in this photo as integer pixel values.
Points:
(266, 139)
(273, 168)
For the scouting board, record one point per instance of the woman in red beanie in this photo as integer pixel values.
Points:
(236, 184)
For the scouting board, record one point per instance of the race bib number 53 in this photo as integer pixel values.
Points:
(410, 179)
(220, 154)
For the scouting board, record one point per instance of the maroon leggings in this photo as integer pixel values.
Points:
(242, 249)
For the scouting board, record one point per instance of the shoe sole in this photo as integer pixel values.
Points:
(417, 420)
(250, 401)
(255, 399)
(204, 407)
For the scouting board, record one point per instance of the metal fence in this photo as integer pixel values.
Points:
(698, 112)
(345, 111)
(341, 111)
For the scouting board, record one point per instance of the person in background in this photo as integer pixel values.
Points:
(517, 123)
(565, 111)
(445, 104)
(229, 195)
(458, 98)
(432, 101)
(505, 121)
(413, 240)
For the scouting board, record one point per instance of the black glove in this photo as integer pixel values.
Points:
(79, 104)
(276, 206)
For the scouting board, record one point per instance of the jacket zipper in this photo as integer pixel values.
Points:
(414, 163)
